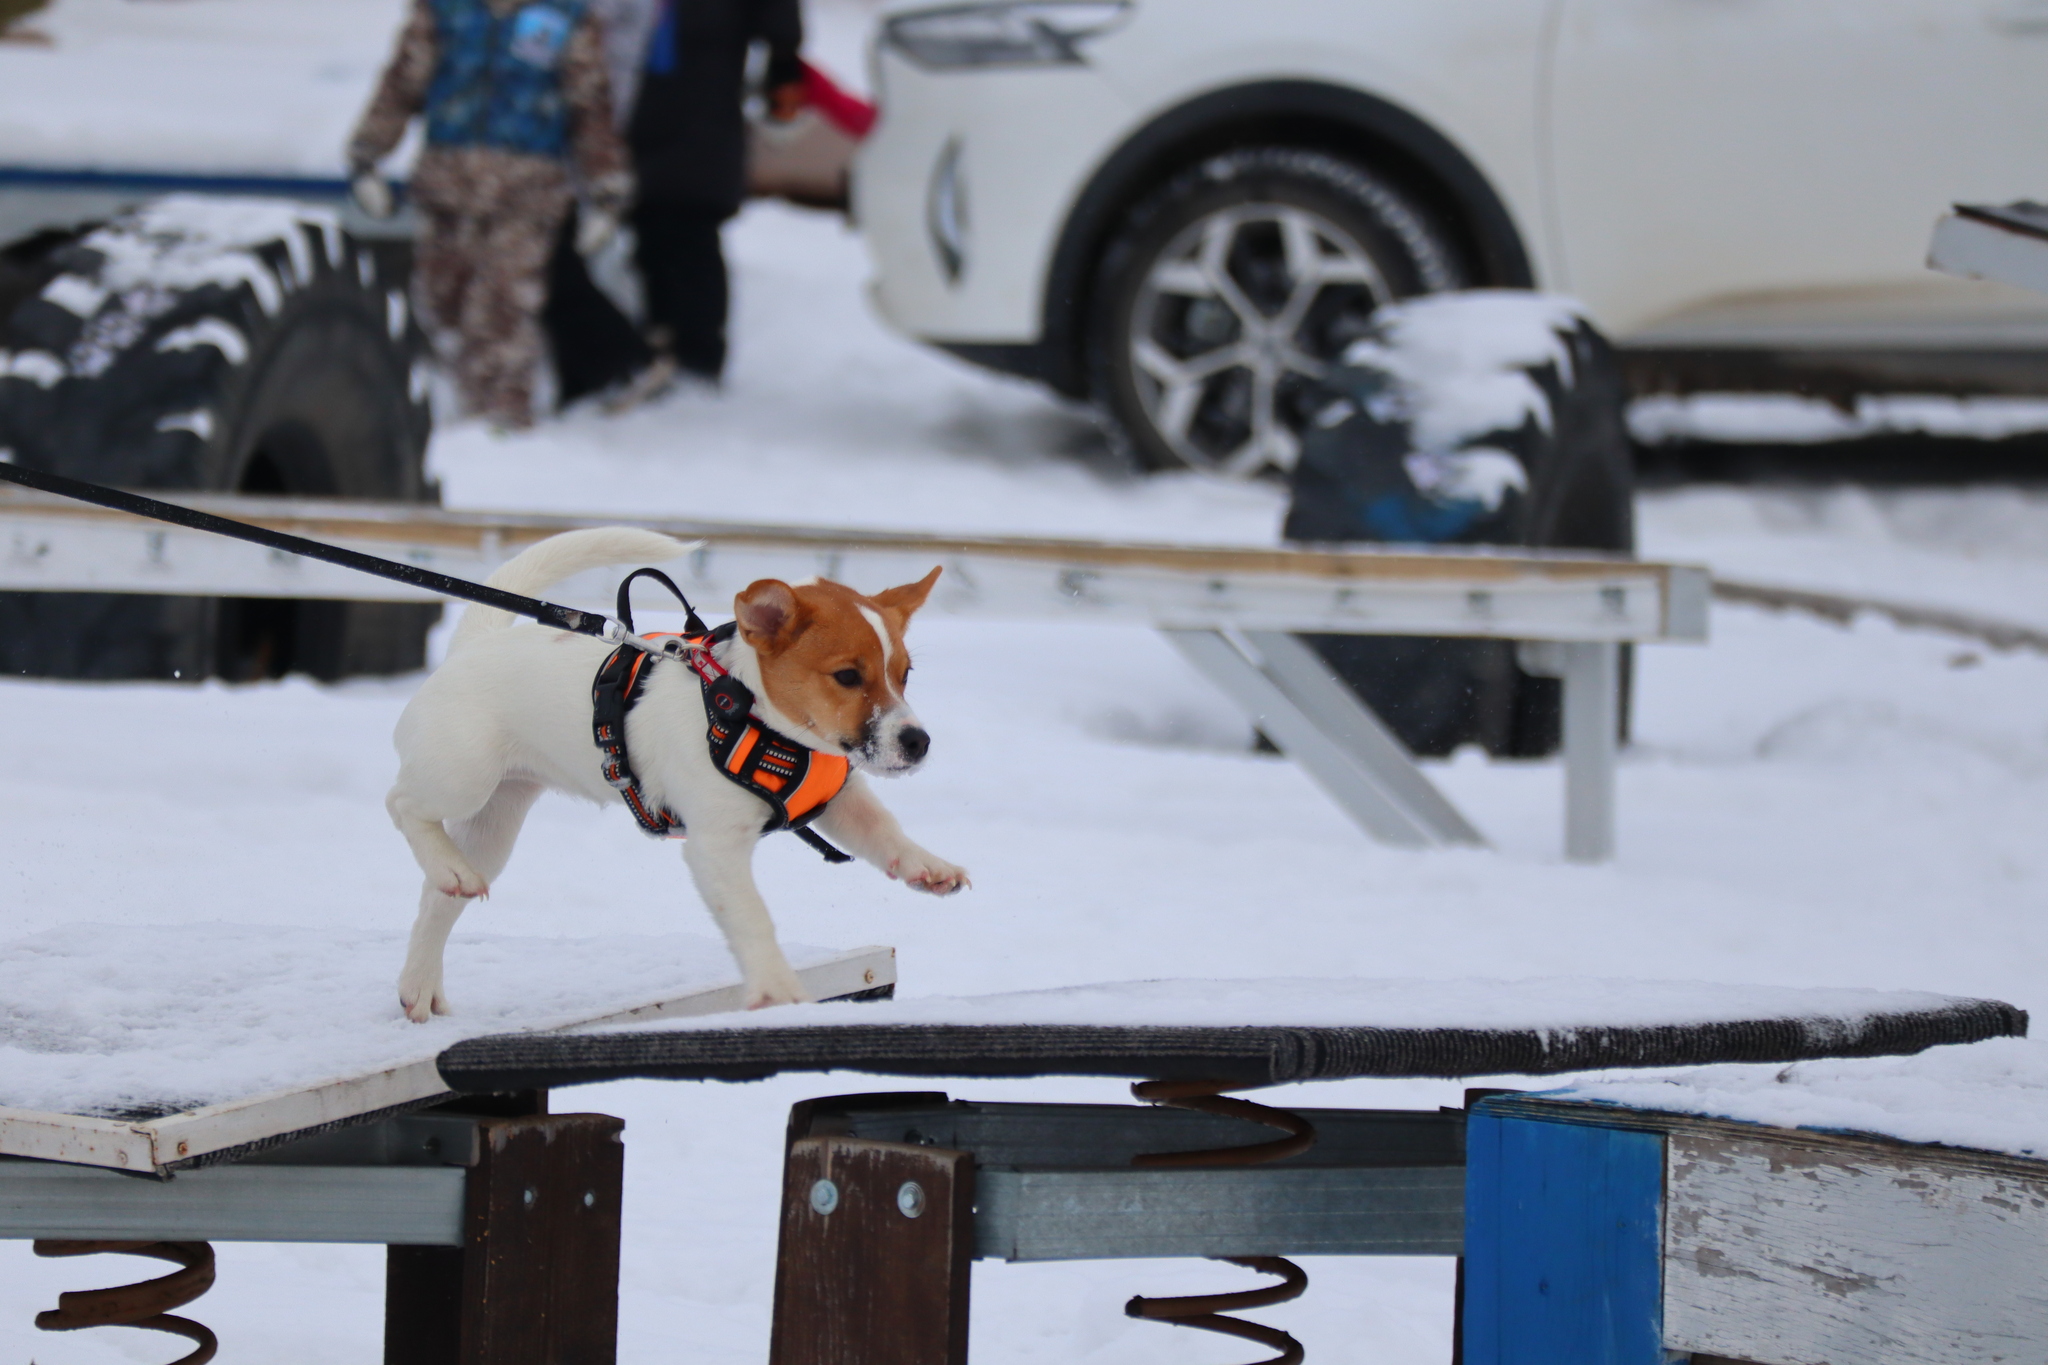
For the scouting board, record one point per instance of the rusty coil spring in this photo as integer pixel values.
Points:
(1206, 1311)
(147, 1305)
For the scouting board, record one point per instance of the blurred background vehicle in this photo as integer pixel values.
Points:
(1184, 210)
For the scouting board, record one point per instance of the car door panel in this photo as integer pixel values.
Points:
(1771, 169)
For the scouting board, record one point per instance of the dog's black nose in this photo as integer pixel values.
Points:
(914, 742)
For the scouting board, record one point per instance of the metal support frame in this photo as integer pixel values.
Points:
(1322, 725)
(1592, 741)
(1591, 675)
(1056, 1182)
(1106, 1215)
(502, 1222)
(377, 1204)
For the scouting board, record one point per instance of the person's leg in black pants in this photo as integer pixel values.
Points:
(596, 346)
(682, 265)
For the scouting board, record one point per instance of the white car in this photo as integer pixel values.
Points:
(1181, 209)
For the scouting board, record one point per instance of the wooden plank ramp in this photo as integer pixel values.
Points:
(219, 1130)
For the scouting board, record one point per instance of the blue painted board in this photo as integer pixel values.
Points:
(1563, 1243)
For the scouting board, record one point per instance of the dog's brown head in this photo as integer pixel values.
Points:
(834, 662)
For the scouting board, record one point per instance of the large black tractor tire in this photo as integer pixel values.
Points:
(216, 347)
(1230, 289)
(1354, 483)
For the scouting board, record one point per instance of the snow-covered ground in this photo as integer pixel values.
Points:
(1804, 805)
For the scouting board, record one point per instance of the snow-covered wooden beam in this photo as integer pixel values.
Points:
(47, 545)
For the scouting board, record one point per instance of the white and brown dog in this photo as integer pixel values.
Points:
(508, 715)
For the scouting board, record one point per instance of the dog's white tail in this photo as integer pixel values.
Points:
(539, 567)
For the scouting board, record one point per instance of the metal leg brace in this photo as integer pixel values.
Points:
(1321, 724)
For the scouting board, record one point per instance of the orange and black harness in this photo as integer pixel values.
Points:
(795, 782)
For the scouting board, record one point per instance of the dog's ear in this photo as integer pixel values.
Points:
(902, 601)
(770, 617)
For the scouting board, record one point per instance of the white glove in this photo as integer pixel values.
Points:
(595, 229)
(372, 193)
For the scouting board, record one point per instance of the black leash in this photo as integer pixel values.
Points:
(547, 613)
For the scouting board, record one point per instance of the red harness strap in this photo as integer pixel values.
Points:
(796, 782)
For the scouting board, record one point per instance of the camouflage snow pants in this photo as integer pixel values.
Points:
(488, 220)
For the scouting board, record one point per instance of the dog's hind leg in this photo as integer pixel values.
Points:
(424, 802)
(485, 841)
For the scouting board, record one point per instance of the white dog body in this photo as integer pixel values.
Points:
(508, 715)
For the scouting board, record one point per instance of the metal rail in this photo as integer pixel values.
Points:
(1230, 611)
(388, 1205)
(49, 545)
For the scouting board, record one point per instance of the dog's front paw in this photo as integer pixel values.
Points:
(420, 998)
(779, 987)
(921, 871)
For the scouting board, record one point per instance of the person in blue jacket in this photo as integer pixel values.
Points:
(517, 104)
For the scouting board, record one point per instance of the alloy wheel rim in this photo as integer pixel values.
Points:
(1235, 322)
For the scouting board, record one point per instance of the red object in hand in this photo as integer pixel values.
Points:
(847, 112)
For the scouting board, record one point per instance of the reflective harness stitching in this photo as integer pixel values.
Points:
(797, 783)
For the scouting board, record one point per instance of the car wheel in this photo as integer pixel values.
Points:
(1231, 290)
(217, 347)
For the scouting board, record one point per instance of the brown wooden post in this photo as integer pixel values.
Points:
(877, 1243)
(536, 1281)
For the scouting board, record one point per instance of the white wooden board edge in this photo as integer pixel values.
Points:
(114, 1143)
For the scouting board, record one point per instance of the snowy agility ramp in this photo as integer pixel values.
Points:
(1231, 611)
(146, 1050)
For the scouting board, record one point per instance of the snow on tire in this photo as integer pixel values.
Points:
(1490, 417)
(225, 345)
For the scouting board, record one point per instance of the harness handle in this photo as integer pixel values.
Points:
(693, 623)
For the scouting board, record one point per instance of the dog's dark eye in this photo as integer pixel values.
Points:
(847, 677)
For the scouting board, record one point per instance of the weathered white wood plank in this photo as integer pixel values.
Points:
(1798, 1252)
(48, 545)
